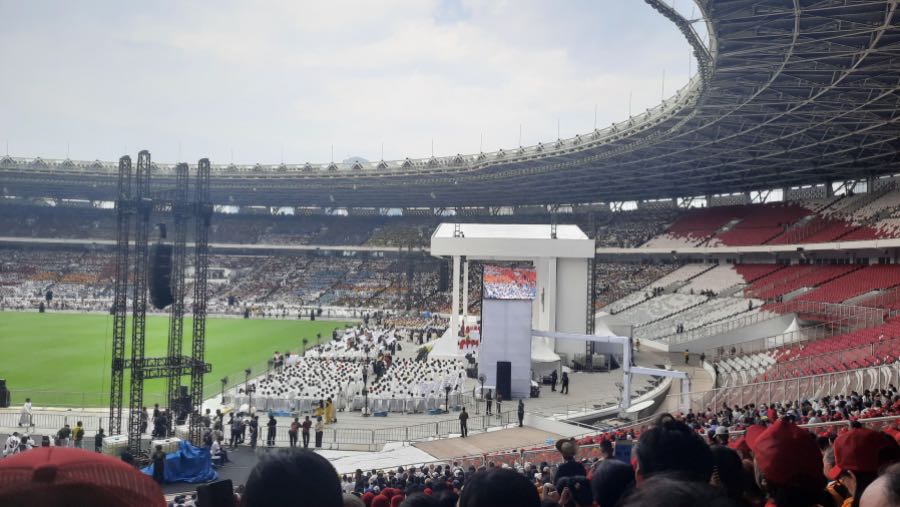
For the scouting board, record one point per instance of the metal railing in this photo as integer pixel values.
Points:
(793, 389)
(719, 327)
(42, 422)
(571, 409)
(375, 438)
(306, 406)
(864, 316)
(794, 338)
(74, 399)
(879, 350)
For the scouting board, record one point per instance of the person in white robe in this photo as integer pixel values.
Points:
(25, 416)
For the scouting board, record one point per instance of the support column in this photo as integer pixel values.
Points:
(465, 294)
(454, 299)
(549, 301)
(626, 375)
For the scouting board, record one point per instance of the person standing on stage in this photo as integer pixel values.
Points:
(489, 401)
(292, 432)
(254, 431)
(521, 412)
(144, 420)
(62, 436)
(320, 430)
(565, 384)
(307, 424)
(159, 465)
(98, 440)
(78, 435)
(553, 378)
(463, 422)
(235, 424)
(270, 433)
(499, 401)
(25, 418)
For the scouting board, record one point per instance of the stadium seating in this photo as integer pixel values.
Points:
(711, 311)
(659, 307)
(865, 280)
(862, 348)
(616, 280)
(753, 272)
(796, 277)
(715, 280)
(675, 278)
(759, 224)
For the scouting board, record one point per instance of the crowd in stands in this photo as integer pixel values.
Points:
(273, 286)
(848, 217)
(772, 456)
(623, 229)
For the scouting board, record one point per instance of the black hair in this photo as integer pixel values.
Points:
(579, 489)
(446, 498)
(665, 490)
(419, 500)
(499, 487)
(611, 480)
(728, 466)
(292, 476)
(672, 447)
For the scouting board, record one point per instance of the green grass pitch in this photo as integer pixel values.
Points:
(60, 359)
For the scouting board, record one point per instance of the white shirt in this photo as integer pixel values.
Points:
(11, 444)
(215, 448)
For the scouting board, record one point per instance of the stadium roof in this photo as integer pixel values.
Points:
(788, 92)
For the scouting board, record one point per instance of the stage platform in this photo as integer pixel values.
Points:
(482, 443)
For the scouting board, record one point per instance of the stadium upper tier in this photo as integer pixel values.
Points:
(787, 93)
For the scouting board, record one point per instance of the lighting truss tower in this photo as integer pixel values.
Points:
(181, 213)
(144, 207)
(136, 200)
(201, 264)
(124, 211)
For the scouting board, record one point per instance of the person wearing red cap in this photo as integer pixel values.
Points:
(380, 501)
(858, 456)
(788, 466)
(57, 476)
(836, 491)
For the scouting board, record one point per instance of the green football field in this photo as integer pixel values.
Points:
(60, 359)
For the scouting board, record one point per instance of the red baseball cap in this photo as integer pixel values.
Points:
(753, 432)
(740, 445)
(892, 431)
(787, 454)
(52, 476)
(860, 450)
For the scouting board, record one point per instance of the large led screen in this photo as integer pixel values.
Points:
(509, 283)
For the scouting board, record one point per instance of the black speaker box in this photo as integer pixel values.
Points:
(161, 275)
(443, 276)
(504, 379)
(4, 394)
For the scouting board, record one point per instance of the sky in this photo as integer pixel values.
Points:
(315, 81)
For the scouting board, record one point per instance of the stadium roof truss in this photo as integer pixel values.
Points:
(788, 92)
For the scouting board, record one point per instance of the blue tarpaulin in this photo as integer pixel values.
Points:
(188, 464)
